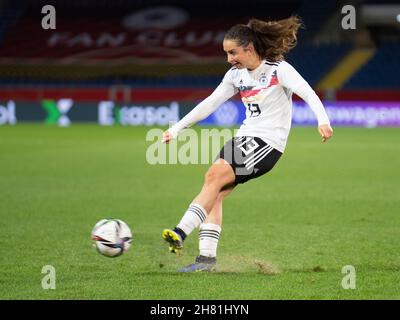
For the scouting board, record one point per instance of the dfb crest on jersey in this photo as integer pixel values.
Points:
(263, 79)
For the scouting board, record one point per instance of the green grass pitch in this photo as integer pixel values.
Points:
(286, 235)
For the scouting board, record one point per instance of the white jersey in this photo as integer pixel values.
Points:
(266, 93)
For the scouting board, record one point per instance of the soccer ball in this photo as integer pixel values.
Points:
(112, 237)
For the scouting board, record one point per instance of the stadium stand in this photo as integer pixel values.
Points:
(381, 71)
(91, 46)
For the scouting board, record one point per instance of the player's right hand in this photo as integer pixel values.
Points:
(167, 137)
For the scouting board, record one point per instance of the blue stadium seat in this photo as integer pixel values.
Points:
(380, 72)
(313, 62)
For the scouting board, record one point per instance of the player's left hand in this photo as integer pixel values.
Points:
(325, 131)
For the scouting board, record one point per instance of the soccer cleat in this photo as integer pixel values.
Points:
(174, 239)
(202, 264)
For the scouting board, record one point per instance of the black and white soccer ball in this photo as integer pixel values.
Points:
(112, 237)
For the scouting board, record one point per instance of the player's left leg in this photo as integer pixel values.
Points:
(209, 234)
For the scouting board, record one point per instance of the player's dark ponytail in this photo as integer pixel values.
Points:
(271, 39)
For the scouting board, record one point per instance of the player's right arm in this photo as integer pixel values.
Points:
(222, 93)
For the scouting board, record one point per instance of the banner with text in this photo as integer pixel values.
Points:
(66, 111)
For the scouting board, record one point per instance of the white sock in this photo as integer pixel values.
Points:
(193, 217)
(208, 239)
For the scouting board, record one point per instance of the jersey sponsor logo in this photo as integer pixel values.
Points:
(241, 86)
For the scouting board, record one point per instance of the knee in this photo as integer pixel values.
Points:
(219, 176)
(212, 177)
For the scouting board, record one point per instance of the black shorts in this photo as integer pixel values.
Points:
(250, 157)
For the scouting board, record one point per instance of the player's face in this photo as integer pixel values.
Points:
(237, 56)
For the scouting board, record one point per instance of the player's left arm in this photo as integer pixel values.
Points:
(291, 79)
(305, 92)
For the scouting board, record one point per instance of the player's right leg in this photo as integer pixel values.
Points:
(176, 236)
(174, 239)
(219, 175)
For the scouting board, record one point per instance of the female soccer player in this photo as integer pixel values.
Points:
(265, 83)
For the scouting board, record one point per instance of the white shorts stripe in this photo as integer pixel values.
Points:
(258, 159)
(249, 159)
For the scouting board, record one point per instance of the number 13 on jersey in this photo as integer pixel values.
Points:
(254, 109)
